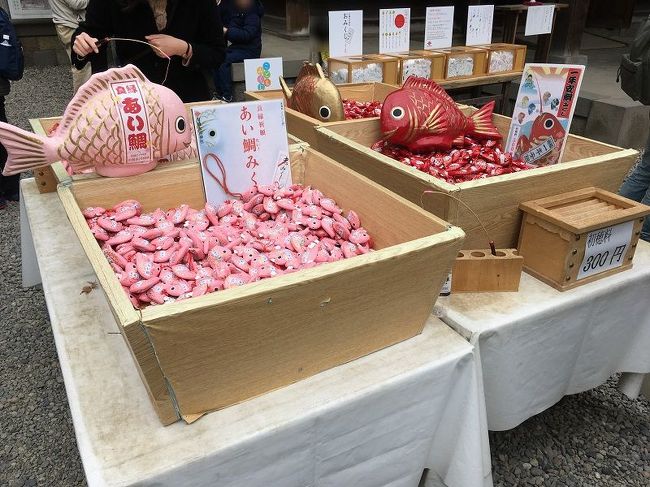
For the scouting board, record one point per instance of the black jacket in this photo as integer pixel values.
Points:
(195, 21)
(244, 26)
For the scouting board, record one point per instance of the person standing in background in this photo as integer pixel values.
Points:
(242, 28)
(66, 15)
(8, 184)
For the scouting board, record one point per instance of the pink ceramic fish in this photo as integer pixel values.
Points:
(119, 124)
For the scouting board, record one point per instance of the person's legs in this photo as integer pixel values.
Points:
(8, 184)
(637, 187)
(223, 76)
(79, 76)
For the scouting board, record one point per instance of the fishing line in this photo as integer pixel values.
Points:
(106, 40)
(493, 249)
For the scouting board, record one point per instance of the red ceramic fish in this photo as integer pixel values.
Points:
(422, 117)
(544, 127)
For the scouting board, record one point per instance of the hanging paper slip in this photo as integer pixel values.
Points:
(241, 144)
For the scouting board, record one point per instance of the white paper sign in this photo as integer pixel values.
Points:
(605, 249)
(539, 20)
(439, 27)
(263, 74)
(241, 144)
(346, 33)
(394, 30)
(479, 25)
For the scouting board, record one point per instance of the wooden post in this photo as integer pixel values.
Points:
(568, 31)
(297, 19)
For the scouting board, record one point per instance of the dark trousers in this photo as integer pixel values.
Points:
(223, 75)
(8, 184)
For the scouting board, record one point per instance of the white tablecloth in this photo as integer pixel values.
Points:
(378, 421)
(540, 344)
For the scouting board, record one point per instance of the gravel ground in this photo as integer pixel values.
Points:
(597, 438)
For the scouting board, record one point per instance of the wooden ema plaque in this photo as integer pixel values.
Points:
(575, 238)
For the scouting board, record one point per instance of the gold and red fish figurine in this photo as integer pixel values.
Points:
(315, 95)
(546, 126)
(119, 124)
(422, 117)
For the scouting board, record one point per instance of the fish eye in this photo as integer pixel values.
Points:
(180, 125)
(548, 123)
(397, 113)
(212, 133)
(325, 112)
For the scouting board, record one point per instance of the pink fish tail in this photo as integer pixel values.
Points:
(26, 150)
(482, 125)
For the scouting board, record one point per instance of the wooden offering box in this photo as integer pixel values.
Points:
(478, 271)
(505, 58)
(496, 199)
(464, 62)
(302, 126)
(210, 352)
(578, 237)
(414, 63)
(367, 68)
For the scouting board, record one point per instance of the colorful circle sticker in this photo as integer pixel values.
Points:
(264, 78)
(400, 21)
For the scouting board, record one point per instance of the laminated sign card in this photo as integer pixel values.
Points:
(263, 74)
(346, 33)
(439, 27)
(543, 112)
(539, 20)
(479, 25)
(394, 30)
(241, 144)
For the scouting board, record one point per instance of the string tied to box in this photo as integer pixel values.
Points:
(493, 249)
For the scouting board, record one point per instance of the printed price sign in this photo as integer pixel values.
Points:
(394, 30)
(605, 249)
(241, 144)
(136, 132)
(439, 27)
(346, 33)
(263, 74)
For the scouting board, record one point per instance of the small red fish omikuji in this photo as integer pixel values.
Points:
(423, 117)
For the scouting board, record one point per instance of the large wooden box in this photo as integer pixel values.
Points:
(302, 126)
(498, 53)
(464, 62)
(574, 238)
(216, 350)
(496, 200)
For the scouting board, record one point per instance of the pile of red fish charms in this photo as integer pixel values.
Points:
(165, 256)
(476, 160)
(358, 109)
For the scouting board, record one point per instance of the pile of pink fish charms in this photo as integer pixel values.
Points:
(165, 256)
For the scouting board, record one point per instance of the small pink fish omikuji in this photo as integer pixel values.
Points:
(119, 124)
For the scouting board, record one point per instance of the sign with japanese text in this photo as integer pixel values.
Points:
(479, 25)
(539, 20)
(137, 146)
(605, 249)
(439, 27)
(241, 144)
(394, 30)
(263, 74)
(544, 108)
(346, 33)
